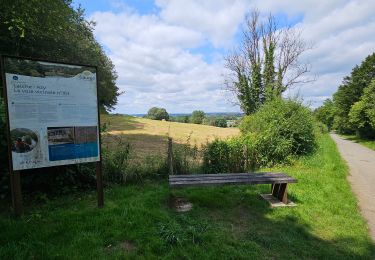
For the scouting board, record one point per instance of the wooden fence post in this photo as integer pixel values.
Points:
(170, 156)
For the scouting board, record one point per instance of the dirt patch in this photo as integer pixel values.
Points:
(180, 204)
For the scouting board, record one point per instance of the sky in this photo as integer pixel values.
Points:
(170, 53)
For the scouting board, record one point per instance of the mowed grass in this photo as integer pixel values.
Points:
(368, 143)
(149, 137)
(230, 222)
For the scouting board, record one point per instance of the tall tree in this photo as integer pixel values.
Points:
(362, 113)
(350, 92)
(266, 63)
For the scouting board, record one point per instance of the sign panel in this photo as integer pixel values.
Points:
(53, 113)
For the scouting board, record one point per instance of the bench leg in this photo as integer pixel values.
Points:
(280, 191)
(275, 190)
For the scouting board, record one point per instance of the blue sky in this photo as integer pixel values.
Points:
(170, 53)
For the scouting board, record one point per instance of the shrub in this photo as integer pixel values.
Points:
(282, 127)
(276, 133)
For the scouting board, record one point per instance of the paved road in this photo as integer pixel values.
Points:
(361, 161)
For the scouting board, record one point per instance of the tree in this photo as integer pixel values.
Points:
(220, 122)
(157, 113)
(54, 30)
(362, 113)
(266, 63)
(326, 113)
(197, 117)
(350, 92)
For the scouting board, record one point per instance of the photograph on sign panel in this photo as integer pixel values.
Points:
(66, 143)
(23, 140)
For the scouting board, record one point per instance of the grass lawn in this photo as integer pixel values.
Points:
(368, 143)
(150, 136)
(226, 222)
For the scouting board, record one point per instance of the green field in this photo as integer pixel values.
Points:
(226, 222)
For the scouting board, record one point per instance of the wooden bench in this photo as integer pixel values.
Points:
(278, 181)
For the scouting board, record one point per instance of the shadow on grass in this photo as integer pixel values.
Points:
(252, 226)
(146, 144)
(123, 123)
(230, 222)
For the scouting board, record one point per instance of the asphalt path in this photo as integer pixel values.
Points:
(361, 161)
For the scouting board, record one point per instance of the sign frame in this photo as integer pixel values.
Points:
(15, 175)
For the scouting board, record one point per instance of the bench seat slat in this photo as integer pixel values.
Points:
(222, 179)
(229, 174)
(215, 176)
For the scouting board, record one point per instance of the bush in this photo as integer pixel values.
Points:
(282, 125)
(276, 133)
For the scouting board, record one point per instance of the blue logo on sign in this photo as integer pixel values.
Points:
(15, 77)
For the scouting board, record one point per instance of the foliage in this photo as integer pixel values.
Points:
(116, 161)
(281, 129)
(362, 113)
(350, 92)
(266, 63)
(220, 122)
(157, 113)
(55, 30)
(186, 158)
(197, 117)
(180, 119)
(277, 132)
(232, 155)
(326, 113)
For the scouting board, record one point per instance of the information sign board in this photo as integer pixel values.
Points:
(52, 112)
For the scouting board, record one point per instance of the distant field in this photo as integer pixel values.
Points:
(150, 136)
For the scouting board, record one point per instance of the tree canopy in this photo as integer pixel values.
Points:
(157, 113)
(352, 109)
(54, 30)
(197, 117)
(350, 92)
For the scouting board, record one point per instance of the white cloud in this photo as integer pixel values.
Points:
(218, 20)
(157, 66)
